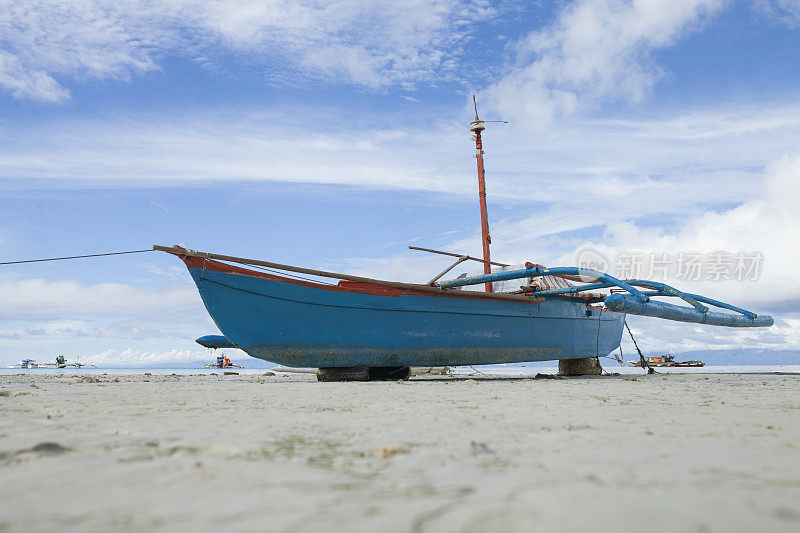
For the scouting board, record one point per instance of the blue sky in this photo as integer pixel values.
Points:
(334, 134)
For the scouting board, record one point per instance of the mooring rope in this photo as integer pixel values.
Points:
(475, 369)
(646, 366)
(74, 257)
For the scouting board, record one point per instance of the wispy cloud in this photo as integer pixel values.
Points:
(596, 51)
(41, 298)
(115, 329)
(133, 356)
(681, 159)
(785, 11)
(41, 319)
(45, 40)
(662, 336)
(765, 223)
(46, 43)
(24, 82)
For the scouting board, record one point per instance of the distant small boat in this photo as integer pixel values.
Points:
(26, 363)
(665, 360)
(60, 362)
(222, 362)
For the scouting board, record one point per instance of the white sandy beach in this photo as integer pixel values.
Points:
(252, 452)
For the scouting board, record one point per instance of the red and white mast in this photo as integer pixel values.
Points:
(476, 127)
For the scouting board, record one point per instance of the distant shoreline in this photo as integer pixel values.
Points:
(548, 367)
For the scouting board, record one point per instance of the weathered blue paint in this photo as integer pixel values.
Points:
(215, 341)
(310, 325)
(624, 303)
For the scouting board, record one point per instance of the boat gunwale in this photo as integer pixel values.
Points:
(355, 284)
(354, 287)
(603, 314)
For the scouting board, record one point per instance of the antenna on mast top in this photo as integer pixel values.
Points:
(476, 126)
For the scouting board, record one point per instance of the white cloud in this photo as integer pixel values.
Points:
(44, 43)
(681, 158)
(33, 84)
(662, 336)
(785, 11)
(132, 356)
(767, 224)
(41, 298)
(597, 51)
(41, 319)
(765, 221)
(414, 267)
(44, 40)
(139, 329)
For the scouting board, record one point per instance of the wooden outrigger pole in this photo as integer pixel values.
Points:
(477, 126)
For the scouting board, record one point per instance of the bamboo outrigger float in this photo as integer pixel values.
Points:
(636, 302)
(363, 328)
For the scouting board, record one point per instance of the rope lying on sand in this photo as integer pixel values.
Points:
(74, 257)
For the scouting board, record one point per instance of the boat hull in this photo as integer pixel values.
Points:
(298, 323)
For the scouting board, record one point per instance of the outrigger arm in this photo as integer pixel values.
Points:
(636, 302)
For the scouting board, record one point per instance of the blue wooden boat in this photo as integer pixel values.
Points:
(362, 323)
(375, 324)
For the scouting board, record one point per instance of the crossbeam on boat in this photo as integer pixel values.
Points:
(461, 259)
(452, 254)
